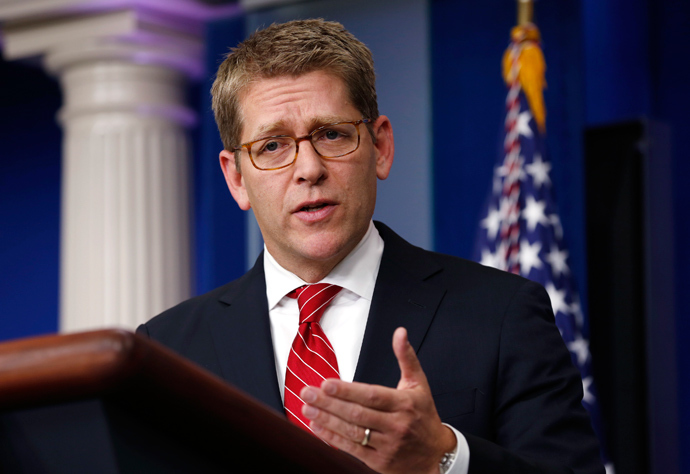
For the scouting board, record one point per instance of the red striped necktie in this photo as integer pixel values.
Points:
(312, 359)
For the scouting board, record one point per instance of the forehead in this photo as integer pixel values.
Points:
(294, 104)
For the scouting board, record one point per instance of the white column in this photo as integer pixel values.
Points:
(125, 197)
(125, 237)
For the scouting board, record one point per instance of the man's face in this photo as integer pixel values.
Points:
(313, 213)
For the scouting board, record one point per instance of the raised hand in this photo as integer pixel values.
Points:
(405, 432)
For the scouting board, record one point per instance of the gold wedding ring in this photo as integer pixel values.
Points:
(367, 435)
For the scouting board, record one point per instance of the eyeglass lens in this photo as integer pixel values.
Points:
(329, 142)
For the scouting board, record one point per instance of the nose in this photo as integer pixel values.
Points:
(309, 166)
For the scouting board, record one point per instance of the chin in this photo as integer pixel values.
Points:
(324, 248)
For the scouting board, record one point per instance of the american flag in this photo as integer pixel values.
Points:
(522, 233)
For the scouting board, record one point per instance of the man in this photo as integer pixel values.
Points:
(478, 379)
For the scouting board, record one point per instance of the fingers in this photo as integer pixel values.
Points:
(367, 454)
(348, 415)
(326, 424)
(344, 424)
(375, 397)
(402, 440)
(411, 373)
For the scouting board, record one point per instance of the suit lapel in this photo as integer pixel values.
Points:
(401, 297)
(242, 339)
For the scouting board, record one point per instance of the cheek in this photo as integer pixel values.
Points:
(363, 190)
(265, 195)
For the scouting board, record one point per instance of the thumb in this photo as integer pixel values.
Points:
(411, 373)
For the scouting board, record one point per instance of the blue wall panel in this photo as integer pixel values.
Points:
(636, 62)
(670, 103)
(29, 201)
(220, 225)
(468, 96)
(616, 38)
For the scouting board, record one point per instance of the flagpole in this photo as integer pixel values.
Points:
(525, 12)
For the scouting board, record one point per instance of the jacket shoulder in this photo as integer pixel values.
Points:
(175, 326)
(455, 272)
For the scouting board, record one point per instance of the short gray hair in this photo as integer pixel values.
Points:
(292, 49)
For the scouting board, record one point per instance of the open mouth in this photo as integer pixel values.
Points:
(313, 208)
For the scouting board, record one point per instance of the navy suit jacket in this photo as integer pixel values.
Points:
(498, 369)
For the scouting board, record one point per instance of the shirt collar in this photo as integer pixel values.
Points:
(357, 272)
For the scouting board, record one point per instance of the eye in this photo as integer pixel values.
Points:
(334, 133)
(270, 146)
(331, 134)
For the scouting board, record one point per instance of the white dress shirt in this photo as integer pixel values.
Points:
(345, 319)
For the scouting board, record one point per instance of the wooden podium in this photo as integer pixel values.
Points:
(113, 402)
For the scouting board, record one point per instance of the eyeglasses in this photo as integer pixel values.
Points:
(329, 141)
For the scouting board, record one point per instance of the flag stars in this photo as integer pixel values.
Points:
(587, 395)
(558, 261)
(492, 223)
(539, 170)
(579, 347)
(529, 256)
(576, 309)
(512, 170)
(523, 127)
(534, 213)
(557, 298)
(491, 259)
(522, 232)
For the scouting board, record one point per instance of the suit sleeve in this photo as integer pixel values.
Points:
(143, 330)
(540, 424)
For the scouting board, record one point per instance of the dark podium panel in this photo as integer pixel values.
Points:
(631, 292)
(113, 402)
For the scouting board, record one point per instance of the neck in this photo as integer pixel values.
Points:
(314, 276)
(312, 271)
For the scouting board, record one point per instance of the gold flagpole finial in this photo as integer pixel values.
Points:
(523, 61)
(525, 12)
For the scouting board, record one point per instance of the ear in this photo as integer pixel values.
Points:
(234, 179)
(385, 147)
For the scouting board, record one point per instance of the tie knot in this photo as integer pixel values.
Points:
(313, 300)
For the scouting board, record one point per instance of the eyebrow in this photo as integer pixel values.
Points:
(280, 127)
